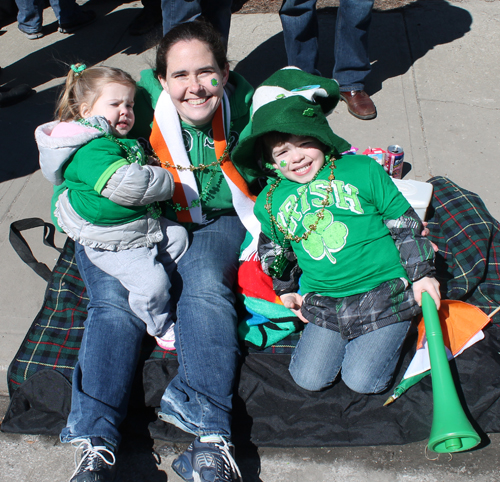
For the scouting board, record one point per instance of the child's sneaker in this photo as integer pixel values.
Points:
(211, 460)
(167, 341)
(97, 461)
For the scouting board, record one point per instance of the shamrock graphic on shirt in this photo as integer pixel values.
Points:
(328, 237)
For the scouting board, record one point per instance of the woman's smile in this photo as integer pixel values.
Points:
(194, 81)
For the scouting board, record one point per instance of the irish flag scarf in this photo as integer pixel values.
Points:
(166, 139)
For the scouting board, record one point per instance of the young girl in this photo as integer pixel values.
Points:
(109, 194)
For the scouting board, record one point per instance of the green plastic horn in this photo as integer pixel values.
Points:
(451, 431)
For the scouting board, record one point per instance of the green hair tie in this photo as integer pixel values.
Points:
(78, 70)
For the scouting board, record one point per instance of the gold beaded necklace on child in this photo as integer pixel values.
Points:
(278, 265)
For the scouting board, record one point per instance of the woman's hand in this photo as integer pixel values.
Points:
(293, 301)
(431, 285)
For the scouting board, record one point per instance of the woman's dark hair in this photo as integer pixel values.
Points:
(198, 29)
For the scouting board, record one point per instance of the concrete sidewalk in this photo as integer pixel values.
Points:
(435, 85)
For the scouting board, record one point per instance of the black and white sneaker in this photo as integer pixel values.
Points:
(97, 461)
(211, 460)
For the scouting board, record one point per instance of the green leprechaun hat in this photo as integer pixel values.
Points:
(291, 101)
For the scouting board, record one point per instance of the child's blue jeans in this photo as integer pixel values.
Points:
(367, 363)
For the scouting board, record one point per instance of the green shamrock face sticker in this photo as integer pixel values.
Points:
(283, 163)
(215, 82)
(329, 236)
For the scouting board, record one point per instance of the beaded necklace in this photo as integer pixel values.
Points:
(278, 265)
(176, 206)
(192, 168)
(134, 155)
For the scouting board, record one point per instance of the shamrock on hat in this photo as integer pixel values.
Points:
(294, 102)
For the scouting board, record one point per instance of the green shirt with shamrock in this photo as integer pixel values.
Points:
(351, 251)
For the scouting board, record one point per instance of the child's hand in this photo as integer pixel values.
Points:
(153, 161)
(426, 233)
(431, 285)
(293, 301)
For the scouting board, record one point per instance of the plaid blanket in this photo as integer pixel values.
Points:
(54, 337)
(468, 238)
(468, 268)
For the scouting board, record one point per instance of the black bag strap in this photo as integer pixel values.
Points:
(22, 248)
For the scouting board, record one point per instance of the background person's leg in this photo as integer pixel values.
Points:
(30, 16)
(352, 62)
(300, 32)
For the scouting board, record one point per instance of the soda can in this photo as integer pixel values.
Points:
(393, 161)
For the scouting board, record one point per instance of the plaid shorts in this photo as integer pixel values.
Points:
(352, 316)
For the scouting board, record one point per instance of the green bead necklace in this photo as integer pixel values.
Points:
(278, 265)
(134, 155)
(197, 202)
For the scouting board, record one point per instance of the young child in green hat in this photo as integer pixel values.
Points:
(340, 225)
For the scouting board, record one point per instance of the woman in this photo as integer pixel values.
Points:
(200, 109)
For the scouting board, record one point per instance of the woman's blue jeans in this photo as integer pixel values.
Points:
(199, 398)
(30, 15)
(300, 30)
(108, 357)
(366, 363)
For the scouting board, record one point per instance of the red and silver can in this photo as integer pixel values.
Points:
(393, 161)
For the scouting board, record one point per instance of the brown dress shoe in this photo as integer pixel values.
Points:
(359, 104)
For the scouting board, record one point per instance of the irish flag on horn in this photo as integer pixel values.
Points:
(462, 326)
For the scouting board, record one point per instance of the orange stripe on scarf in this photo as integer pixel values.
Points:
(227, 167)
(161, 149)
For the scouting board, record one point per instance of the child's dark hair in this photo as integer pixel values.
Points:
(271, 139)
(84, 86)
(196, 30)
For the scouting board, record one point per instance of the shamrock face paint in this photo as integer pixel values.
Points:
(214, 82)
(283, 163)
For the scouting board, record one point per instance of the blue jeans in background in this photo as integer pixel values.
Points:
(107, 360)
(30, 15)
(199, 399)
(367, 363)
(300, 30)
(218, 13)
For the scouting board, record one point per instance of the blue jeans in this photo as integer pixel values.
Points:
(30, 15)
(107, 360)
(217, 12)
(199, 399)
(367, 363)
(300, 30)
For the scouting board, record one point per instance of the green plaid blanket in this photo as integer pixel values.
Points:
(468, 267)
(468, 238)
(54, 338)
